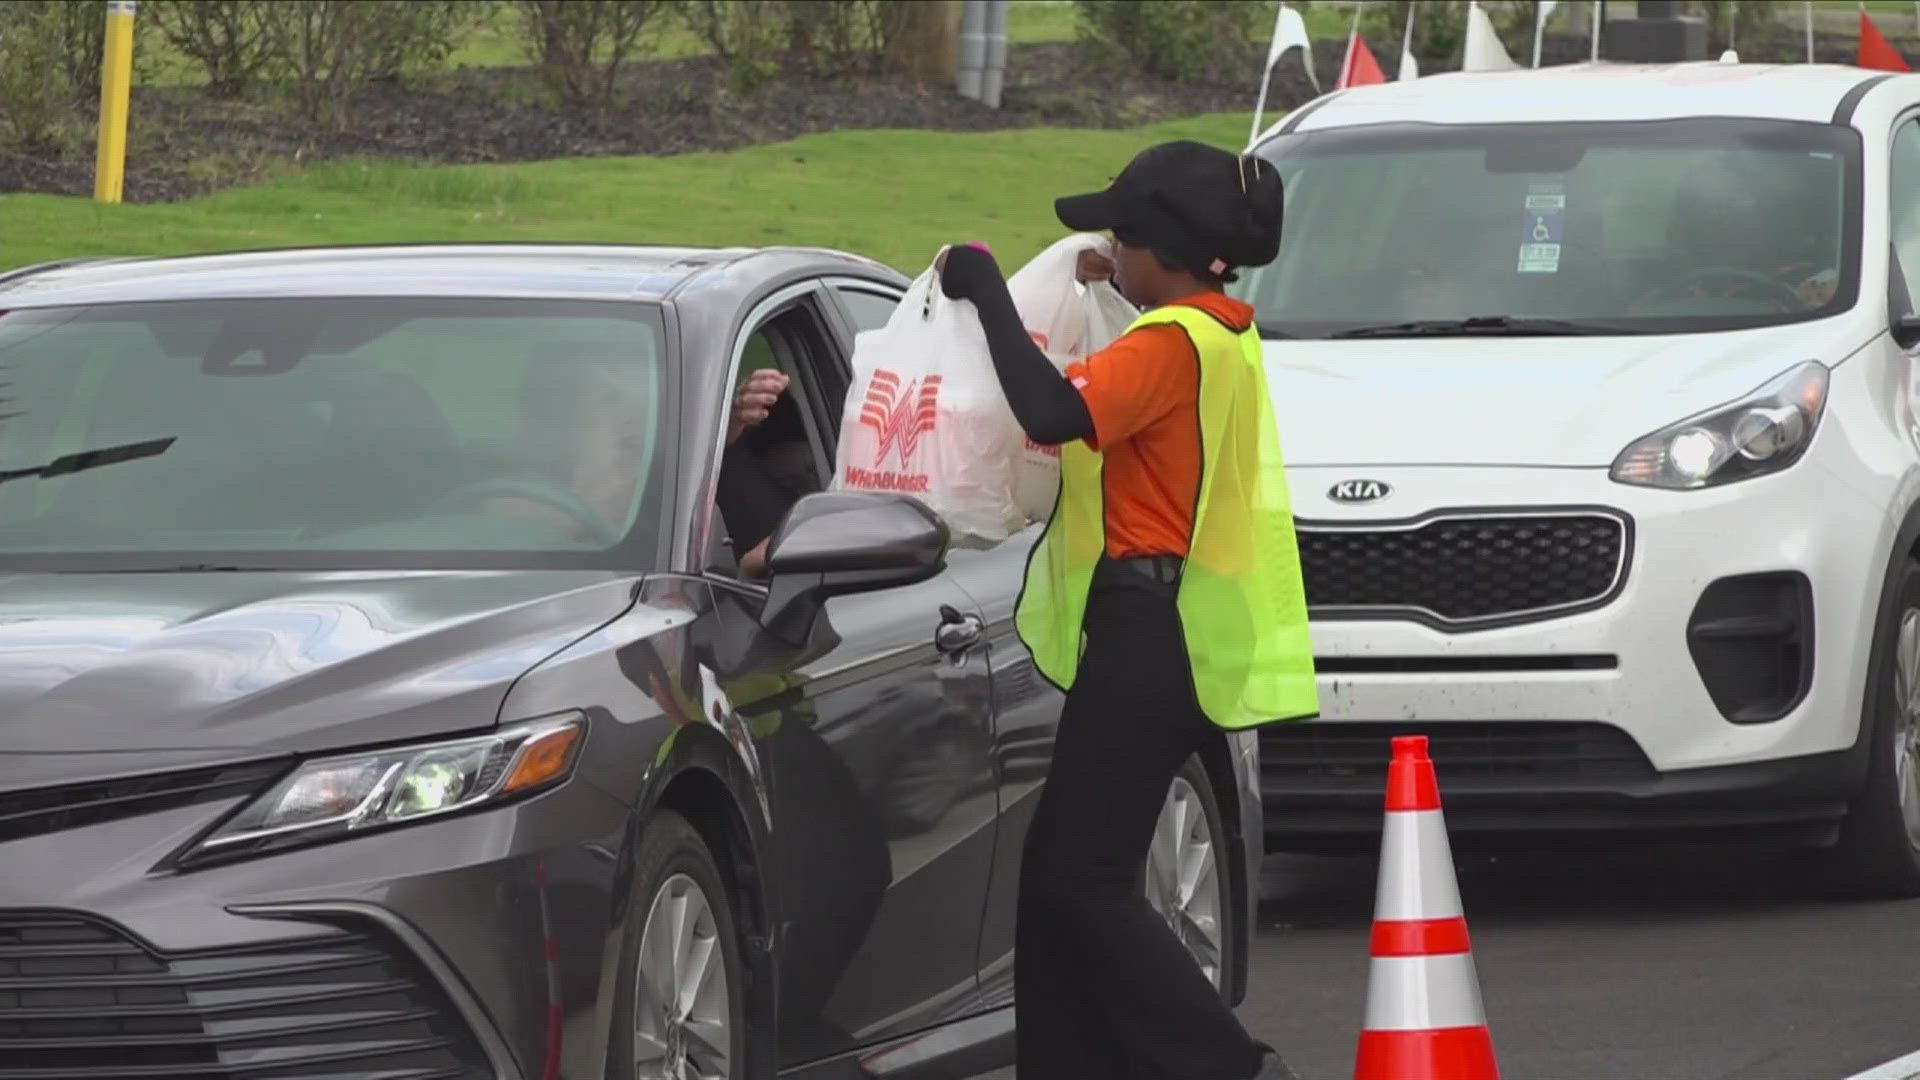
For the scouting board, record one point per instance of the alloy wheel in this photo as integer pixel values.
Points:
(1906, 727)
(681, 1005)
(1183, 875)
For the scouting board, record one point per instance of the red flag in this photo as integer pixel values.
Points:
(1361, 69)
(1875, 50)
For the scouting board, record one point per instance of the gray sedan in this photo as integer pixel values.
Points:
(379, 696)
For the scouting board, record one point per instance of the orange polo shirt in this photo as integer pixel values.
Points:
(1143, 392)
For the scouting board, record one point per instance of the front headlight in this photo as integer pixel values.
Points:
(331, 797)
(1762, 433)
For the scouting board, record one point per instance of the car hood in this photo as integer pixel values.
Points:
(103, 672)
(1556, 401)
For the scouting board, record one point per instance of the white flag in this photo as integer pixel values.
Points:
(1290, 31)
(1484, 50)
(1540, 26)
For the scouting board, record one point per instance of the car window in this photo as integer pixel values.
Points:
(1904, 213)
(869, 309)
(1651, 227)
(357, 433)
(794, 445)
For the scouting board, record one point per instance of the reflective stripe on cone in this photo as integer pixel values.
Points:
(1425, 1020)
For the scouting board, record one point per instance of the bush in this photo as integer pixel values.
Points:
(1439, 30)
(579, 45)
(331, 48)
(746, 34)
(823, 38)
(836, 37)
(231, 40)
(37, 113)
(1174, 39)
(1735, 20)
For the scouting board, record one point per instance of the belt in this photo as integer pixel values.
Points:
(1158, 569)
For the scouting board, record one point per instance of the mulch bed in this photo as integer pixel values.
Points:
(183, 144)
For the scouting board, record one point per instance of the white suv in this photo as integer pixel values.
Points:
(1598, 394)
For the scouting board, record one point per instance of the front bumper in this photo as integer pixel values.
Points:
(1598, 719)
(458, 948)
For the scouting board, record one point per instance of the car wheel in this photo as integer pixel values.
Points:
(1186, 880)
(681, 1008)
(1880, 840)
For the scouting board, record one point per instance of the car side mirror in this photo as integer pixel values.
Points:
(1906, 331)
(834, 543)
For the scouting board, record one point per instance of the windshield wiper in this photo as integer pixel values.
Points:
(83, 460)
(1477, 326)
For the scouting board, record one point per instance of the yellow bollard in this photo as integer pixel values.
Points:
(116, 85)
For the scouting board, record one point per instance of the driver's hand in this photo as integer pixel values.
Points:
(754, 401)
(1817, 290)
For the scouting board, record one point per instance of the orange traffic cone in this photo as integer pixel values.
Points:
(1424, 1017)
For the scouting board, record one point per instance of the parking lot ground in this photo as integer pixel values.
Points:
(1677, 966)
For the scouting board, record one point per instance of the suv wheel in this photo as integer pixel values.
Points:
(681, 1006)
(1880, 840)
(1185, 880)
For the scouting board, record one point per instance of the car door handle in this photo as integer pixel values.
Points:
(957, 632)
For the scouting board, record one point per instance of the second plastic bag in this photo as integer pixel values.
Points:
(1069, 320)
(926, 417)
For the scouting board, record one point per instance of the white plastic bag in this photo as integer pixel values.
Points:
(926, 417)
(1068, 320)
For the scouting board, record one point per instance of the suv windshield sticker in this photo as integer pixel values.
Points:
(1541, 228)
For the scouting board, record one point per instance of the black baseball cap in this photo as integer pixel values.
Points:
(1209, 208)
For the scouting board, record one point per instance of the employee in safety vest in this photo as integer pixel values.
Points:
(1164, 597)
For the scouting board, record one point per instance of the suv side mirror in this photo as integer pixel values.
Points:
(1906, 331)
(833, 543)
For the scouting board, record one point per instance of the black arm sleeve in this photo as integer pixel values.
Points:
(1049, 409)
(751, 503)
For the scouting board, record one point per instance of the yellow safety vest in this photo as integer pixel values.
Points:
(1242, 609)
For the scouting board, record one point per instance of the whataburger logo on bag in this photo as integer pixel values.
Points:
(898, 415)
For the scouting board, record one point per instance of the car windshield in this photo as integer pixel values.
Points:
(1585, 228)
(335, 433)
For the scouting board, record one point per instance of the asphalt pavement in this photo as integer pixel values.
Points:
(1690, 965)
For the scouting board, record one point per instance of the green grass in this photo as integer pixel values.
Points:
(893, 195)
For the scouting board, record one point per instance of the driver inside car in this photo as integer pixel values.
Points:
(1785, 267)
(580, 447)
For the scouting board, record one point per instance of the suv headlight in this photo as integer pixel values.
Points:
(1762, 433)
(335, 796)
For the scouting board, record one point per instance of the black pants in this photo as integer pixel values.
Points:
(1105, 989)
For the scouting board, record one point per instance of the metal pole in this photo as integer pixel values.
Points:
(994, 75)
(1406, 38)
(1346, 65)
(1807, 10)
(973, 48)
(1599, 16)
(116, 87)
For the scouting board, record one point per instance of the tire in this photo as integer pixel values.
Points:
(677, 887)
(1879, 850)
(1199, 906)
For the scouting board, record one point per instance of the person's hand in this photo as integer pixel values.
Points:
(755, 401)
(1093, 266)
(964, 268)
(1817, 290)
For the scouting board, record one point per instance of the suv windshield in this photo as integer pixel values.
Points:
(373, 434)
(1668, 226)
